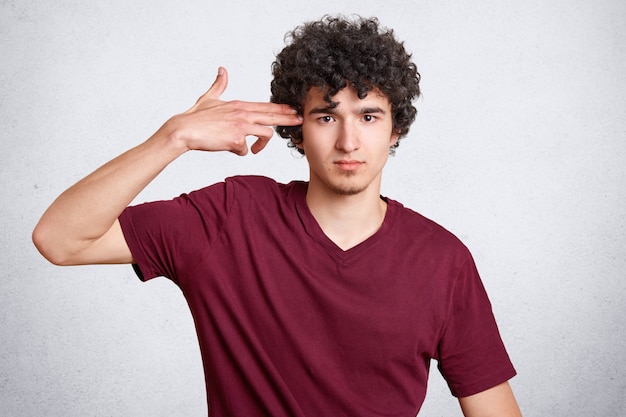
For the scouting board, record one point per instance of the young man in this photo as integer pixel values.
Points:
(316, 298)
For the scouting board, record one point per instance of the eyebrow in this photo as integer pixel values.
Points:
(333, 110)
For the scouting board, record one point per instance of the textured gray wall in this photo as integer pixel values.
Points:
(519, 148)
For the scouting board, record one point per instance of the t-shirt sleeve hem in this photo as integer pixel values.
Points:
(138, 272)
(140, 266)
(484, 384)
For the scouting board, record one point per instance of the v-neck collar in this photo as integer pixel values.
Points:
(316, 233)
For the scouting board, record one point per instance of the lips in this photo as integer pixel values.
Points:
(348, 164)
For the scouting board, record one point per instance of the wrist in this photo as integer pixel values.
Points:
(170, 137)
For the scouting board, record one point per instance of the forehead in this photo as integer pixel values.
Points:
(316, 96)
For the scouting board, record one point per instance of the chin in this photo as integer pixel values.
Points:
(347, 189)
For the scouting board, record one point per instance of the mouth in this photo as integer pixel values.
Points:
(348, 164)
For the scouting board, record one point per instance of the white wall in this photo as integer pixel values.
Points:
(519, 148)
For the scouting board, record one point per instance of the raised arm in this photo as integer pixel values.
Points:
(81, 226)
(498, 401)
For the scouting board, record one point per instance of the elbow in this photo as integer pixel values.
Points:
(49, 247)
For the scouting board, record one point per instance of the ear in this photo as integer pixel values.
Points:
(295, 135)
(394, 138)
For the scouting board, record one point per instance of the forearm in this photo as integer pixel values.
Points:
(80, 226)
(88, 209)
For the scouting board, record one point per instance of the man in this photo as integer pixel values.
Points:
(316, 298)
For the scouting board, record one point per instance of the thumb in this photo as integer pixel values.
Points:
(218, 86)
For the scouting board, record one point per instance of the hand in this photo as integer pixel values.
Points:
(215, 125)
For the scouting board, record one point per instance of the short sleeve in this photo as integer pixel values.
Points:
(167, 238)
(471, 354)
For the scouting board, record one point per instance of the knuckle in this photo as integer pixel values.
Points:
(237, 116)
(268, 132)
(241, 126)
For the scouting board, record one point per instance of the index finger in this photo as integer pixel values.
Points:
(265, 107)
(271, 114)
(282, 108)
(277, 119)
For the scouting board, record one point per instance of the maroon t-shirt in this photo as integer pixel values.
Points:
(289, 324)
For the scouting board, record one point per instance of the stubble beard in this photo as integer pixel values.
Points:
(346, 186)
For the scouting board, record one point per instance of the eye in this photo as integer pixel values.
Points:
(326, 119)
(368, 118)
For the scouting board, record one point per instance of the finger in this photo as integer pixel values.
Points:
(259, 145)
(264, 107)
(261, 142)
(218, 86)
(281, 117)
(274, 119)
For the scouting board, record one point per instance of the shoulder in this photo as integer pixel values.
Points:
(423, 233)
(252, 181)
(240, 185)
(257, 183)
(415, 222)
(259, 187)
(252, 192)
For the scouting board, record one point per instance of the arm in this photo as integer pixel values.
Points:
(81, 226)
(498, 401)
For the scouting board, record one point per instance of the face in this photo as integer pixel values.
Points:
(347, 146)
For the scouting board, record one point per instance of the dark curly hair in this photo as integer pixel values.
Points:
(335, 52)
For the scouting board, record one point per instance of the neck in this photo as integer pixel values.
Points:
(347, 219)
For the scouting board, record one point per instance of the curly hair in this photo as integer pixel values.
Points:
(335, 52)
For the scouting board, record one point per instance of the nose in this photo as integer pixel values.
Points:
(348, 140)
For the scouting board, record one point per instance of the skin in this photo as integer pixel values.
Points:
(498, 401)
(346, 148)
(81, 226)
